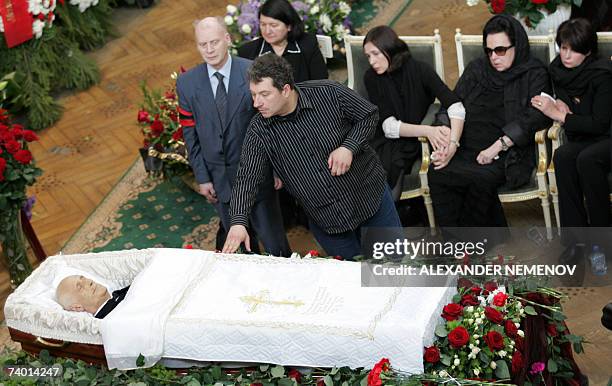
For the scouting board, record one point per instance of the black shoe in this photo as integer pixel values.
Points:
(606, 318)
(572, 254)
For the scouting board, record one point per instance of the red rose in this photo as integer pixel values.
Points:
(314, 253)
(178, 135)
(493, 315)
(517, 362)
(17, 131)
(170, 95)
(494, 340)
(338, 257)
(551, 329)
(12, 146)
(432, 354)
(157, 127)
(30, 136)
(293, 373)
(498, 6)
(539, 1)
(374, 375)
(500, 299)
(173, 116)
(143, 116)
(188, 246)
(464, 283)
(6, 136)
(510, 329)
(519, 343)
(469, 300)
(475, 291)
(452, 311)
(458, 337)
(490, 286)
(2, 167)
(23, 156)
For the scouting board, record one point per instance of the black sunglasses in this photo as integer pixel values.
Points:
(499, 51)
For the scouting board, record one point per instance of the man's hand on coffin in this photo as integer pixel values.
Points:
(208, 190)
(236, 236)
(339, 161)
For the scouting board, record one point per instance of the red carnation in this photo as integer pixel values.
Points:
(293, 373)
(30, 136)
(510, 329)
(539, 1)
(551, 329)
(143, 116)
(23, 156)
(469, 300)
(494, 340)
(17, 131)
(12, 146)
(498, 6)
(6, 136)
(2, 167)
(493, 315)
(374, 375)
(500, 299)
(517, 362)
(314, 253)
(458, 337)
(452, 311)
(432, 354)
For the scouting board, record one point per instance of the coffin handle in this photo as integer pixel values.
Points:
(46, 343)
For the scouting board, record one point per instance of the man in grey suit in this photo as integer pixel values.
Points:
(215, 108)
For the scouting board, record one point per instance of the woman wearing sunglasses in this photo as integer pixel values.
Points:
(403, 89)
(496, 146)
(583, 87)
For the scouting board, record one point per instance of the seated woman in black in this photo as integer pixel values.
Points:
(496, 146)
(583, 87)
(282, 33)
(403, 89)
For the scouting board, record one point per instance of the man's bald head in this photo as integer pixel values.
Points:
(78, 293)
(213, 41)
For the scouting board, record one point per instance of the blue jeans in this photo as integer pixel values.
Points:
(348, 244)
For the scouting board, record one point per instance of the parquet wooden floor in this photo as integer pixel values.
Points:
(97, 139)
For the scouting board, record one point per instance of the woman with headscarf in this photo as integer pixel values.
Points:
(496, 146)
(583, 88)
(282, 33)
(403, 88)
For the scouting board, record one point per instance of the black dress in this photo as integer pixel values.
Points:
(405, 94)
(303, 54)
(582, 164)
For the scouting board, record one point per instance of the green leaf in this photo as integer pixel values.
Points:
(445, 359)
(502, 371)
(441, 331)
(578, 3)
(286, 382)
(137, 384)
(529, 310)
(333, 371)
(552, 366)
(277, 372)
(140, 361)
(484, 358)
(578, 348)
(264, 368)
(216, 372)
(328, 380)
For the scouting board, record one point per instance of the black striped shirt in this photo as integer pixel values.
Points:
(297, 147)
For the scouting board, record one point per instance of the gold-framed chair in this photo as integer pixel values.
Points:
(427, 49)
(556, 134)
(469, 47)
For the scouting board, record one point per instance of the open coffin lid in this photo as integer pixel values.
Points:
(233, 308)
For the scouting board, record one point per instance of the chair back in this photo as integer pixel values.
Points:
(604, 44)
(325, 46)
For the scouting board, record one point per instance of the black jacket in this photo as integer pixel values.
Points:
(113, 302)
(303, 55)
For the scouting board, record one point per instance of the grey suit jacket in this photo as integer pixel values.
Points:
(214, 150)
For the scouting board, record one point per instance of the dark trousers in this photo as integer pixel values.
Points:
(581, 171)
(266, 223)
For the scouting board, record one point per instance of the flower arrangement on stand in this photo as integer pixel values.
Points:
(530, 12)
(164, 150)
(325, 17)
(18, 170)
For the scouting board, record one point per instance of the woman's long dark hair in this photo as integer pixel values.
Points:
(282, 10)
(386, 40)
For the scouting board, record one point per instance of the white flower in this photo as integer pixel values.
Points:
(476, 372)
(502, 353)
(521, 311)
(471, 356)
(521, 333)
(518, 325)
(344, 8)
(456, 362)
(475, 350)
(476, 336)
(477, 342)
(1, 25)
(482, 300)
(456, 356)
(470, 321)
(311, 1)
(37, 28)
(469, 309)
(231, 9)
(493, 365)
(228, 20)
(314, 9)
(326, 23)
(34, 7)
(472, 3)
(339, 31)
(443, 373)
(478, 321)
(246, 28)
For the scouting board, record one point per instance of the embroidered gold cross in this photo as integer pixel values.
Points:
(263, 297)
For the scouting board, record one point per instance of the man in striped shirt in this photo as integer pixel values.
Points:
(315, 137)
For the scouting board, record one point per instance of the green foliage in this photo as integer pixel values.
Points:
(89, 29)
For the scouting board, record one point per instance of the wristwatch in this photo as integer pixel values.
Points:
(505, 146)
(455, 142)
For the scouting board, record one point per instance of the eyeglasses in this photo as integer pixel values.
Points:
(499, 51)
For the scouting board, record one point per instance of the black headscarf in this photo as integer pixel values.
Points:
(571, 82)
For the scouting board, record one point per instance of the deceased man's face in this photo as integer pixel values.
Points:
(78, 293)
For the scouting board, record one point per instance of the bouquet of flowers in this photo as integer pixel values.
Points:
(164, 148)
(528, 10)
(325, 17)
(17, 171)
